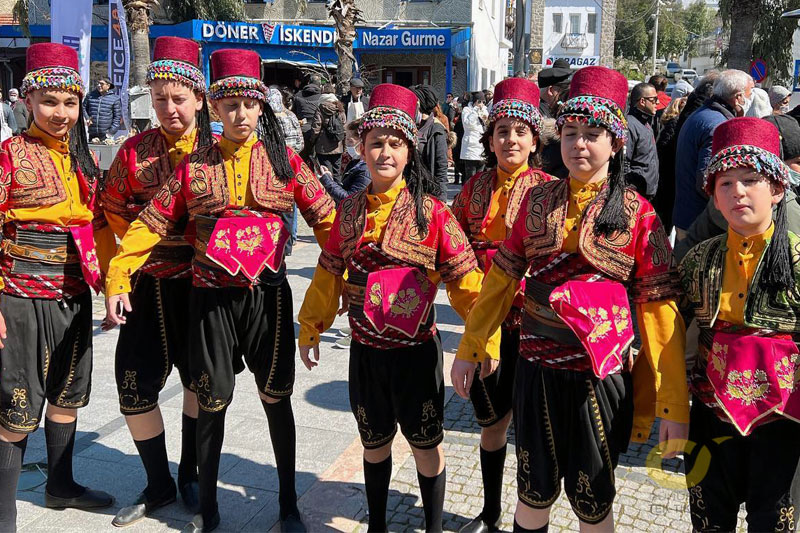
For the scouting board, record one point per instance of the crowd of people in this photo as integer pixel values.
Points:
(581, 323)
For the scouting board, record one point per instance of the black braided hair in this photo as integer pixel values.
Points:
(612, 216)
(79, 153)
(420, 182)
(204, 137)
(778, 273)
(270, 132)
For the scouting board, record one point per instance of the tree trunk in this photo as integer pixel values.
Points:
(140, 45)
(743, 24)
(345, 16)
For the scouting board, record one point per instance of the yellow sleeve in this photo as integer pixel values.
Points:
(319, 307)
(482, 328)
(463, 293)
(323, 230)
(132, 253)
(106, 246)
(660, 387)
(118, 224)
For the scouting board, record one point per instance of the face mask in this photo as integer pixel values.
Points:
(418, 117)
(13, 98)
(353, 152)
(784, 109)
(794, 178)
(747, 103)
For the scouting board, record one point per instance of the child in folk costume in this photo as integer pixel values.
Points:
(486, 208)
(154, 336)
(391, 241)
(48, 262)
(742, 289)
(239, 193)
(586, 242)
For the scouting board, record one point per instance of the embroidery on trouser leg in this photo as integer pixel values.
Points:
(528, 495)
(205, 397)
(369, 438)
(785, 515)
(18, 416)
(276, 343)
(430, 427)
(696, 507)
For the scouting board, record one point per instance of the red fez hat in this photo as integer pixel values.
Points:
(597, 97)
(602, 82)
(236, 73)
(391, 106)
(175, 58)
(177, 48)
(41, 55)
(517, 98)
(746, 142)
(52, 66)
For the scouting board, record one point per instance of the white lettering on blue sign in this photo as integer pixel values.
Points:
(230, 32)
(311, 36)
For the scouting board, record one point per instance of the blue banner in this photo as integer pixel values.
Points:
(119, 57)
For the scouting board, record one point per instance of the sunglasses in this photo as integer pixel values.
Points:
(651, 99)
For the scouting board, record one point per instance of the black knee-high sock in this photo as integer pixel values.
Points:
(153, 453)
(11, 454)
(519, 529)
(210, 433)
(492, 465)
(377, 477)
(60, 439)
(283, 435)
(432, 491)
(187, 469)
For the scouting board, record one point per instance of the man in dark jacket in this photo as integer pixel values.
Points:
(306, 103)
(432, 143)
(641, 156)
(552, 81)
(732, 96)
(20, 110)
(104, 110)
(355, 102)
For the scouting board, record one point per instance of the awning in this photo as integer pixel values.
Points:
(299, 63)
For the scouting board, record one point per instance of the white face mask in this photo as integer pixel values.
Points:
(784, 109)
(353, 152)
(794, 178)
(13, 98)
(747, 103)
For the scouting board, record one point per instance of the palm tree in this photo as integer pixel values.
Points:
(182, 10)
(345, 16)
(140, 14)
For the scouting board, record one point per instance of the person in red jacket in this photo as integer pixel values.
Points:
(155, 336)
(48, 261)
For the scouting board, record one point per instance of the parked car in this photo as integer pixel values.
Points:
(672, 69)
(689, 74)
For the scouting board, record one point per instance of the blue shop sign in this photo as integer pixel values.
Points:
(320, 36)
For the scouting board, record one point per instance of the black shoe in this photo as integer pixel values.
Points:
(197, 524)
(90, 499)
(478, 525)
(293, 524)
(190, 494)
(141, 508)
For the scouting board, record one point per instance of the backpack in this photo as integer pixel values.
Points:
(334, 128)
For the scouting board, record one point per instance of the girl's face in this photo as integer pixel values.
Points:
(239, 117)
(176, 105)
(745, 198)
(386, 153)
(587, 150)
(512, 141)
(55, 112)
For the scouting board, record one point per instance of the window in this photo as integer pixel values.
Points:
(592, 23)
(557, 17)
(575, 23)
(484, 79)
(493, 77)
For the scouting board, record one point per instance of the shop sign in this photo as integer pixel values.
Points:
(588, 61)
(387, 39)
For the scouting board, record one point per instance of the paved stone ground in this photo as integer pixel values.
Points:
(329, 475)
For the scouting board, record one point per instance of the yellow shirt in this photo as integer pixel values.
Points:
(139, 240)
(741, 261)
(494, 228)
(321, 301)
(660, 385)
(580, 195)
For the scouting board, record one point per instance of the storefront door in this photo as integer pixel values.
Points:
(407, 76)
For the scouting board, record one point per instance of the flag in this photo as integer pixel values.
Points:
(71, 24)
(119, 56)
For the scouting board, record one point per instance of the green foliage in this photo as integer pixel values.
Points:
(698, 20)
(21, 16)
(183, 10)
(773, 39)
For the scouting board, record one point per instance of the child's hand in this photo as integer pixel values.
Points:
(304, 352)
(462, 373)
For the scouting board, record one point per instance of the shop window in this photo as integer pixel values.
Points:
(575, 23)
(407, 76)
(557, 20)
(591, 25)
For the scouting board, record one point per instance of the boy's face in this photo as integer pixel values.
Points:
(745, 198)
(386, 153)
(54, 111)
(587, 149)
(512, 141)
(175, 104)
(239, 116)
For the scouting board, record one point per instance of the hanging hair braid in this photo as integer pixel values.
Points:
(79, 153)
(612, 216)
(778, 273)
(420, 182)
(270, 132)
(204, 137)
